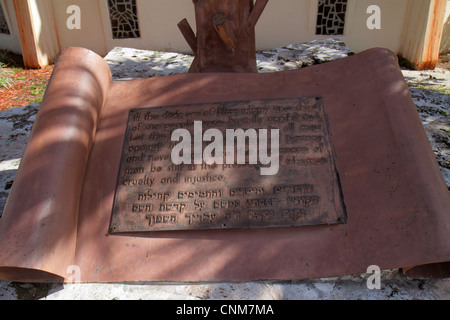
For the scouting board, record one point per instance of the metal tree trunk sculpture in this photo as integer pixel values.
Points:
(225, 40)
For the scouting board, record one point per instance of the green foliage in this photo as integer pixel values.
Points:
(441, 89)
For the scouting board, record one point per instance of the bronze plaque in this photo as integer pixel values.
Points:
(216, 166)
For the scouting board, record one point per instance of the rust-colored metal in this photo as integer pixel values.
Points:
(154, 194)
(422, 33)
(224, 30)
(188, 34)
(225, 40)
(40, 45)
(59, 211)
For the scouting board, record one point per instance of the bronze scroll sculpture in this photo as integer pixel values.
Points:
(60, 206)
(59, 211)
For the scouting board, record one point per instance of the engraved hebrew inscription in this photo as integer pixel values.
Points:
(155, 194)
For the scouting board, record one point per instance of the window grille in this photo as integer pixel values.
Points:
(124, 19)
(331, 17)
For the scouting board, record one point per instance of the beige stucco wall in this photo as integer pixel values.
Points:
(91, 35)
(10, 41)
(283, 22)
(359, 37)
(445, 43)
(157, 21)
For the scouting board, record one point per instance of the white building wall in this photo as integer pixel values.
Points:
(157, 20)
(91, 35)
(158, 23)
(294, 21)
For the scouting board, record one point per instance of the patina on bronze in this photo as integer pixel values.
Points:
(154, 194)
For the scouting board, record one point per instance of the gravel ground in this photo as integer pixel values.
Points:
(430, 91)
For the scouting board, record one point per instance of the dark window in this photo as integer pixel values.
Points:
(3, 23)
(331, 17)
(124, 19)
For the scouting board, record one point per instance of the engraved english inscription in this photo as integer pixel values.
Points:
(155, 194)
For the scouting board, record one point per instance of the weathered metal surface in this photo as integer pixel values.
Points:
(303, 188)
(422, 33)
(47, 189)
(59, 211)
